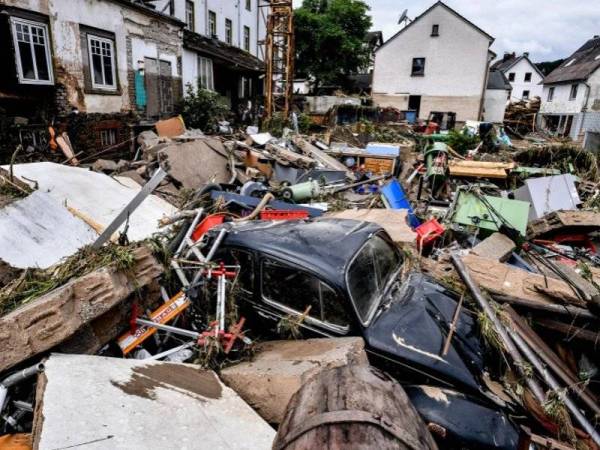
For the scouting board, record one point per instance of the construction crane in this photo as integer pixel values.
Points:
(279, 58)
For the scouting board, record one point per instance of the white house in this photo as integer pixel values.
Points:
(523, 75)
(497, 93)
(571, 96)
(223, 48)
(438, 62)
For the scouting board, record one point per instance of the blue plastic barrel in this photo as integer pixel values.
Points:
(395, 198)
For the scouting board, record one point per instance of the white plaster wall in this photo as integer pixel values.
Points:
(560, 103)
(455, 65)
(495, 105)
(236, 11)
(593, 103)
(519, 85)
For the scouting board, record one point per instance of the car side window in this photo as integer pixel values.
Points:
(298, 290)
(243, 259)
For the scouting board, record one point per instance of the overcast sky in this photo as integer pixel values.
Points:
(547, 29)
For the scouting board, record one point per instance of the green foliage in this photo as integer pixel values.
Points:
(203, 109)
(462, 142)
(330, 38)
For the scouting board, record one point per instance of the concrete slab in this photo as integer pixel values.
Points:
(393, 221)
(497, 246)
(96, 195)
(98, 403)
(38, 231)
(279, 368)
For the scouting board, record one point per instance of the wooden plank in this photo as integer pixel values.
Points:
(317, 154)
(565, 221)
(290, 156)
(479, 169)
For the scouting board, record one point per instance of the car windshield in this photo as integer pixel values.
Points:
(369, 273)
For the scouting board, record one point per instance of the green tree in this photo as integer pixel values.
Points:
(330, 39)
(202, 109)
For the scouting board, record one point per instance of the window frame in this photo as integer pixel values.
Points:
(413, 73)
(190, 21)
(525, 97)
(435, 30)
(248, 5)
(103, 87)
(109, 135)
(247, 33)
(210, 85)
(550, 94)
(212, 24)
(527, 77)
(228, 31)
(289, 310)
(20, 75)
(574, 87)
(511, 77)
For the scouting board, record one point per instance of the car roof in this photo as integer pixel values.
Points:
(324, 245)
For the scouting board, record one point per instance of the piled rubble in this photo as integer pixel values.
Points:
(471, 278)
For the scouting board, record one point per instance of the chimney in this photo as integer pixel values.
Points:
(506, 56)
(526, 54)
(596, 36)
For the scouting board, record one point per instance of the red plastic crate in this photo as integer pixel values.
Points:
(282, 214)
(206, 224)
(428, 232)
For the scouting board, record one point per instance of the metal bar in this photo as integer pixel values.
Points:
(171, 351)
(130, 208)
(519, 365)
(160, 326)
(453, 325)
(551, 381)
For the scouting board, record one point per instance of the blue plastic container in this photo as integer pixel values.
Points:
(395, 198)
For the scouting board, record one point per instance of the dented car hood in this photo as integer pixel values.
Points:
(412, 327)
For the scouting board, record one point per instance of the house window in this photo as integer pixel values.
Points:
(511, 77)
(212, 23)
(108, 137)
(528, 77)
(247, 38)
(418, 67)
(573, 94)
(32, 51)
(190, 14)
(102, 62)
(525, 95)
(228, 31)
(205, 73)
(249, 5)
(435, 30)
(550, 94)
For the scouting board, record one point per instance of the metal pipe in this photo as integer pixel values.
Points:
(551, 381)
(160, 326)
(519, 365)
(171, 351)
(16, 378)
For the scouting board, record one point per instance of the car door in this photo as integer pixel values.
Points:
(292, 298)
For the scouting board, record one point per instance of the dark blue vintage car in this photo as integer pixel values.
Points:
(348, 273)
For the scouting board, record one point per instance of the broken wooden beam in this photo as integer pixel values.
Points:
(323, 158)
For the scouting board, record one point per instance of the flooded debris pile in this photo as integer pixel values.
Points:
(449, 295)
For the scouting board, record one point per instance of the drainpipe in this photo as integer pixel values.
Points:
(584, 109)
(239, 27)
(16, 378)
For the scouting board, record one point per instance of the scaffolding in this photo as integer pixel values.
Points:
(279, 58)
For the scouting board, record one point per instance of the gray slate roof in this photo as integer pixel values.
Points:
(498, 81)
(586, 61)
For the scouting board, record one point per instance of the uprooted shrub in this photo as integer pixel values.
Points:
(203, 109)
